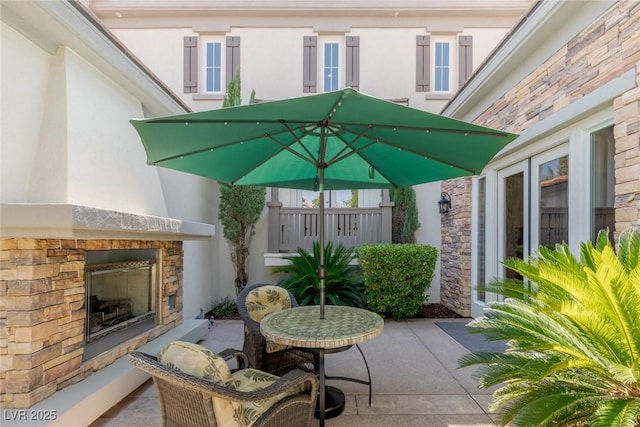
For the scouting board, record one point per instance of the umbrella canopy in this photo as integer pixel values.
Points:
(330, 141)
(360, 141)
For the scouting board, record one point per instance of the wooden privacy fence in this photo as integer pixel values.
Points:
(292, 228)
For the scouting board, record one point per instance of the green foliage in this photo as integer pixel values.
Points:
(343, 282)
(240, 205)
(239, 210)
(397, 276)
(573, 354)
(234, 92)
(224, 308)
(404, 216)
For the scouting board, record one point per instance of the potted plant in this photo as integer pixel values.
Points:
(573, 331)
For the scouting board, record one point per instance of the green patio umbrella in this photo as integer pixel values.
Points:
(330, 141)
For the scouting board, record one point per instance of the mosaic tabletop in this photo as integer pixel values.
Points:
(302, 326)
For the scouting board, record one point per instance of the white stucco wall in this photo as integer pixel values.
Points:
(23, 98)
(66, 138)
(427, 196)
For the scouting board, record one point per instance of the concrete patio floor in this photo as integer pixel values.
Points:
(414, 372)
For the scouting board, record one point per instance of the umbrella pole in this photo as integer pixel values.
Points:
(322, 271)
(321, 267)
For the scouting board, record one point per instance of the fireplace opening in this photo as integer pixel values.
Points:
(121, 295)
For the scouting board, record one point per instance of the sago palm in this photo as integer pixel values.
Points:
(573, 331)
(343, 283)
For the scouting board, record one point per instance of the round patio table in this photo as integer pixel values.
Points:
(302, 327)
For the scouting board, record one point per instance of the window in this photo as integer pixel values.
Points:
(331, 66)
(602, 182)
(442, 66)
(553, 182)
(213, 68)
(206, 65)
(332, 199)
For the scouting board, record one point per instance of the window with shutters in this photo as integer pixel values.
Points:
(331, 66)
(210, 63)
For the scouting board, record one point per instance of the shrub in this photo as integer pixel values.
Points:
(573, 354)
(224, 308)
(343, 282)
(404, 216)
(397, 276)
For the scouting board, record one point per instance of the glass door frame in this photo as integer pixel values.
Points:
(514, 169)
(534, 185)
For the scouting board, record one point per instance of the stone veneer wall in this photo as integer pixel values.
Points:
(605, 50)
(42, 314)
(455, 258)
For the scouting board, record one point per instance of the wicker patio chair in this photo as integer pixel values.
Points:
(254, 302)
(249, 397)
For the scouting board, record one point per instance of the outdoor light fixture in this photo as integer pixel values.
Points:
(444, 204)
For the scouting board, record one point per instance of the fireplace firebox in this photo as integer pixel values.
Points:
(120, 297)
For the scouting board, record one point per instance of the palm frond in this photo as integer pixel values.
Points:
(573, 338)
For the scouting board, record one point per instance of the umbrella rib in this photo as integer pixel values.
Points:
(209, 148)
(304, 147)
(294, 152)
(377, 140)
(427, 129)
(348, 145)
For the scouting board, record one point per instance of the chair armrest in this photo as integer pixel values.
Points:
(296, 377)
(152, 366)
(241, 359)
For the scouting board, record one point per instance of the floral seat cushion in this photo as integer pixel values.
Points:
(265, 300)
(193, 359)
(245, 414)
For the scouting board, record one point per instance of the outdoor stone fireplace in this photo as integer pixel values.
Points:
(46, 345)
(81, 287)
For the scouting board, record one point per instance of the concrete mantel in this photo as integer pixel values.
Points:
(66, 221)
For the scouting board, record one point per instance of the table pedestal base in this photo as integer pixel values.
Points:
(334, 403)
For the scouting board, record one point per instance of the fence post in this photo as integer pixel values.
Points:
(273, 244)
(386, 207)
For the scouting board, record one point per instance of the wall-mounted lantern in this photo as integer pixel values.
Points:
(444, 204)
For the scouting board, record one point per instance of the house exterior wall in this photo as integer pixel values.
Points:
(66, 139)
(271, 62)
(73, 176)
(590, 82)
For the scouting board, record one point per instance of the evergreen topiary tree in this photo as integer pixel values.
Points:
(404, 216)
(240, 205)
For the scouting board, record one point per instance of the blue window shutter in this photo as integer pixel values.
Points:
(310, 64)
(465, 59)
(353, 62)
(190, 64)
(423, 67)
(232, 57)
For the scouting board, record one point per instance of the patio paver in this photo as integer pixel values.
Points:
(414, 371)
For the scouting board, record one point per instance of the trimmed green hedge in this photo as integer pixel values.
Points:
(397, 276)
